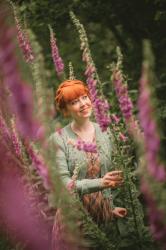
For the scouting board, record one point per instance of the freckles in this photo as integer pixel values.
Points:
(90, 105)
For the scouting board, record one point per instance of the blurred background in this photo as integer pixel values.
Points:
(108, 23)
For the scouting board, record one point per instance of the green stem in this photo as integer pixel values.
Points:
(130, 193)
(133, 210)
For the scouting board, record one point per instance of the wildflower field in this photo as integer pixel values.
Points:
(117, 49)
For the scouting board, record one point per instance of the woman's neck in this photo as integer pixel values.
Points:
(81, 125)
(84, 130)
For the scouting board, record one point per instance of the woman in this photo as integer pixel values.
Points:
(89, 169)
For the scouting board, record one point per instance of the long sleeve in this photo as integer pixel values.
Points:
(83, 186)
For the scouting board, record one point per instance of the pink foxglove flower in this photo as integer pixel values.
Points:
(59, 65)
(115, 118)
(18, 213)
(23, 41)
(21, 218)
(151, 135)
(100, 105)
(4, 129)
(61, 237)
(71, 185)
(87, 147)
(125, 102)
(83, 146)
(156, 216)
(21, 94)
(39, 165)
(15, 140)
(122, 137)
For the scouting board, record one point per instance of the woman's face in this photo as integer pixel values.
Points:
(80, 107)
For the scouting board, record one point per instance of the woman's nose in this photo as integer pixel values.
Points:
(82, 102)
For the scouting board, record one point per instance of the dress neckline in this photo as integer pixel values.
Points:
(79, 137)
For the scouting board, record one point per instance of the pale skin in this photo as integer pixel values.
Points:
(80, 110)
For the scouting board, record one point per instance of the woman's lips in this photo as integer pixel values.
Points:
(85, 109)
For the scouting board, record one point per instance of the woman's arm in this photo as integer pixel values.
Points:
(83, 186)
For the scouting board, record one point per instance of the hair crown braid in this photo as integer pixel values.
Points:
(68, 91)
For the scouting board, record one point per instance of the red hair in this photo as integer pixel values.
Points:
(68, 91)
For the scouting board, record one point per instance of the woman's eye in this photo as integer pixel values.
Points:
(85, 97)
(74, 101)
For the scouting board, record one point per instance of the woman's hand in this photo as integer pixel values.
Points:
(112, 179)
(119, 212)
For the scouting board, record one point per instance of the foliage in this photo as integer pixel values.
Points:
(132, 231)
(109, 24)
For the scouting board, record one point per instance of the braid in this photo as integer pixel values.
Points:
(66, 91)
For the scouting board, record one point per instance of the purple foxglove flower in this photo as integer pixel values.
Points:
(19, 214)
(87, 147)
(15, 140)
(59, 65)
(85, 57)
(156, 216)
(61, 237)
(90, 70)
(92, 78)
(39, 165)
(4, 129)
(91, 82)
(21, 94)
(125, 102)
(122, 137)
(151, 135)
(71, 185)
(115, 118)
(100, 105)
(101, 113)
(24, 42)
